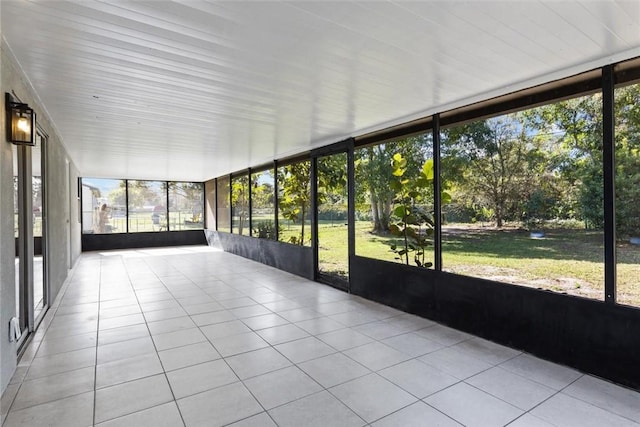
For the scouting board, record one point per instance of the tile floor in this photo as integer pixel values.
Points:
(197, 337)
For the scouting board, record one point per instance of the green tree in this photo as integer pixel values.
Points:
(295, 199)
(489, 161)
(414, 223)
(627, 182)
(575, 125)
(374, 176)
(240, 201)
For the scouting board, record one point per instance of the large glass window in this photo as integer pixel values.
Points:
(240, 205)
(224, 213)
(627, 181)
(104, 207)
(186, 204)
(263, 205)
(147, 206)
(294, 203)
(332, 202)
(384, 193)
(527, 198)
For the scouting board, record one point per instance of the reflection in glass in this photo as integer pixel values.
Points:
(224, 212)
(210, 198)
(37, 189)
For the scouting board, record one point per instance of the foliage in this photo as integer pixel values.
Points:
(187, 197)
(373, 175)
(628, 161)
(266, 230)
(146, 193)
(294, 201)
(262, 190)
(240, 202)
(414, 223)
(493, 158)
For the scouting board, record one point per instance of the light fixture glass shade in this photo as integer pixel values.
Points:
(20, 122)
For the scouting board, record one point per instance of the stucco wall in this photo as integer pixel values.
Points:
(63, 226)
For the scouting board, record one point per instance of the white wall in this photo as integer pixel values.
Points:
(63, 224)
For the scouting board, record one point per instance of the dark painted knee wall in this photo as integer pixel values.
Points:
(294, 259)
(101, 242)
(592, 336)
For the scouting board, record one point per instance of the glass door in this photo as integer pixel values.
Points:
(332, 220)
(39, 219)
(30, 236)
(20, 205)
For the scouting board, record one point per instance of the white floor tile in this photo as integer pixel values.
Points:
(304, 349)
(166, 415)
(281, 334)
(318, 410)
(376, 355)
(417, 415)
(459, 364)
(261, 420)
(345, 339)
(194, 300)
(61, 362)
(178, 338)
(542, 371)
(258, 362)
(565, 410)
(372, 397)
(607, 396)
(125, 349)
(127, 370)
(124, 333)
(514, 389)
(333, 369)
(127, 398)
(472, 407)
(282, 386)
(219, 407)
(74, 411)
(54, 387)
(198, 378)
(236, 344)
(418, 378)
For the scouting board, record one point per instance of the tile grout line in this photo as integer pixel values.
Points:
(95, 368)
(164, 372)
(51, 311)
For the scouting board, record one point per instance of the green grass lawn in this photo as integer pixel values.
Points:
(566, 260)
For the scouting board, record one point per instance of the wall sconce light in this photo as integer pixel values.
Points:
(20, 122)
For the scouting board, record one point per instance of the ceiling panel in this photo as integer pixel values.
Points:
(189, 90)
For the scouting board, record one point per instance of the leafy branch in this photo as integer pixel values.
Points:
(413, 223)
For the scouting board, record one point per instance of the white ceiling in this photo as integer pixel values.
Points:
(189, 90)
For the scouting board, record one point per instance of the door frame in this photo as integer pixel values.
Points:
(29, 322)
(342, 147)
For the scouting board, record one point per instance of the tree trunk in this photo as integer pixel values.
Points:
(374, 213)
(385, 213)
(302, 212)
(498, 218)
